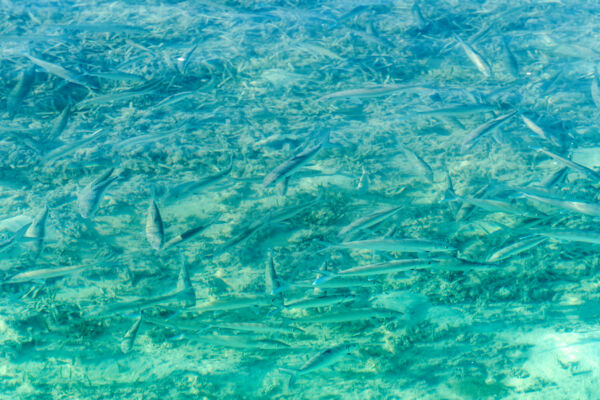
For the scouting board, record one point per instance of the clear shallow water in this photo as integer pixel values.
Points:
(299, 200)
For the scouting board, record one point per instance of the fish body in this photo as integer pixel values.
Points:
(320, 360)
(368, 220)
(46, 273)
(59, 124)
(399, 245)
(37, 230)
(70, 148)
(511, 60)
(578, 206)
(481, 130)
(516, 248)
(88, 199)
(590, 173)
(19, 91)
(185, 189)
(155, 233)
(595, 89)
(61, 72)
(14, 238)
(388, 267)
(188, 235)
(480, 63)
(235, 303)
(292, 165)
(129, 338)
(353, 315)
(323, 301)
(571, 235)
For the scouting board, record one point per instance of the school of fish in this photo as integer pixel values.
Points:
(308, 200)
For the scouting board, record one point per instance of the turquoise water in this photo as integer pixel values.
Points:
(304, 200)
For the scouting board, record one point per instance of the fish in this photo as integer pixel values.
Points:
(419, 164)
(320, 360)
(13, 239)
(459, 110)
(284, 170)
(272, 282)
(185, 189)
(570, 235)
(128, 143)
(61, 72)
(480, 63)
(89, 198)
(20, 91)
(189, 234)
(579, 206)
(511, 60)
(241, 342)
(257, 328)
(353, 315)
(472, 138)
(595, 88)
(37, 230)
(59, 124)
(46, 273)
(183, 296)
(183, 62)
(363, 182)
(118, 76)
(234, 303)
(387, 267)
(321, 301)
(129, 338)
(377, 91)
(369, 220)
(515, 248)
(590, 173)
(70, 148)
(535, 128)
(155, 233)
(396, 245)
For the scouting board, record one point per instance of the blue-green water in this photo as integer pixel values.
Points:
(304, 200)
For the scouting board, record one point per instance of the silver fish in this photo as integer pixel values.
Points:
(46, 273)
(292, 165)
(475, 58)
(319, 361)
(18, 93)
(481, 130)
(37, 230)
(356, 314)
(590, 173)
(323, 301)
(129, 338)
(595, 89)
(369, 220)
(14, 238)
(59, 124)
(61, 72)
(70, 148)
(189, 234)
(388, 267)
(88, 199)
(154, 226)
(515, 248)
(581, 207)
(398, 245)
(571, 235)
